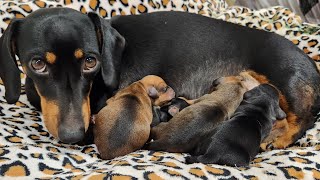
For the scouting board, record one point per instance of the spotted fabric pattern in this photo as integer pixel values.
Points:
(279, 20)
(28, 151)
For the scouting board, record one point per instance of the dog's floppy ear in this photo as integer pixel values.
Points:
(9, 72)
(111, 45)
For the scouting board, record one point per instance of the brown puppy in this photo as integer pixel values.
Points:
(185, 129)
(123, 126)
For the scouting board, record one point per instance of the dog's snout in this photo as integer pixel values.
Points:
(73, 123)
(71, 135)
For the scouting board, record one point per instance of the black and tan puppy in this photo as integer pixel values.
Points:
(123, 126)
(188, 127)
(236, 141)
(166, 112)
(176, 105)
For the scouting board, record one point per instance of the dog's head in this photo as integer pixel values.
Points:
(158, 90)
(61, 51)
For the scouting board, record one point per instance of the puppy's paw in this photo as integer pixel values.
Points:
(153, 145)
(191, 159)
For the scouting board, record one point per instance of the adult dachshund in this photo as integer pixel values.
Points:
(68, 55)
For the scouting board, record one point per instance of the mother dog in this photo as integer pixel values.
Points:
(68, 55)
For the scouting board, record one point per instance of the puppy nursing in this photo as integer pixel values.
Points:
(201, 126)
(123, 126)
(188, 127)
(237, 141)
(166, 112)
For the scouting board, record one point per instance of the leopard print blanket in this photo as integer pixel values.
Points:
(28, 151)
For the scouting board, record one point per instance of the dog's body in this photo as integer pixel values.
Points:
(188, 51)
(184, 130)
(123, 126)
(236, 142)
(210, 48)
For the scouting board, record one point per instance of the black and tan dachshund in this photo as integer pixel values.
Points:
(236, 142)
(74, 62)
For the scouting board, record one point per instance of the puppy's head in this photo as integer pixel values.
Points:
(244, 79)
(177, 105)
(157, 89)
(224, 80)
(61, 51)
(269, 95)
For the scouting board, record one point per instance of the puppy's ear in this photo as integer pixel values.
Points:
(247, 94)
(280, 114)
(153, 93)
(111, 45)
(214, 84)
(9, 72)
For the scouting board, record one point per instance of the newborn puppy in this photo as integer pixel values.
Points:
(185, 129)
(236, 141)
(176, 105)
(123, 126)
(165, 113)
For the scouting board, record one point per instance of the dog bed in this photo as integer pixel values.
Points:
(27, 150)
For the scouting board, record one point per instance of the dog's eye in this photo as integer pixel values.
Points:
(90, 63)
(165, 89)
(39, 65)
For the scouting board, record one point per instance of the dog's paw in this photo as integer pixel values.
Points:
(267, 146)
(277, 144)
(270, 146)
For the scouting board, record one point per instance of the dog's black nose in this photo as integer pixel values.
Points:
(69, 135)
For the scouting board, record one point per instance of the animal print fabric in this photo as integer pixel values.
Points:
(28, 151)
(279, 20)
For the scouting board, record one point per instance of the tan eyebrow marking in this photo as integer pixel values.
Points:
(78, 53)
(51, 57)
